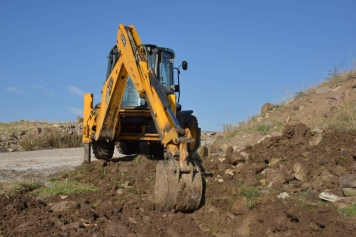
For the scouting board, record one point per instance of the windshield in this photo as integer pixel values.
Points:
(166, 70)
(131, 97)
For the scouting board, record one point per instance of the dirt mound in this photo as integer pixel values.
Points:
(34, 135)
(120, 206)
(268, 189)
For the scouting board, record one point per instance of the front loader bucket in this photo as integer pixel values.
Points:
(175, 190)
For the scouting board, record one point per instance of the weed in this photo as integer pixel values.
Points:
(250, 204)
(97, 202)
(102, 171)
(263, 128)
(249, 191)
(342, 161)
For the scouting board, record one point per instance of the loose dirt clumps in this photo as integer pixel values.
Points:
(268, 189)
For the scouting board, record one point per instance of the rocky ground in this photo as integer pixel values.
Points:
(286, 172)
(26, 135)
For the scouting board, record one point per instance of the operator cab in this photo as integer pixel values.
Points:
(160, 62)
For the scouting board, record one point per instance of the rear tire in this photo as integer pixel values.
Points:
(192, 124)
(103, 150)
(156, 150)
(128, 147)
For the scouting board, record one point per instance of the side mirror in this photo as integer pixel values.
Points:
(184, 65)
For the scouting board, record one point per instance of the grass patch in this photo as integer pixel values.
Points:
(263, 128)
(350, 211)
(63, 187)
(249, 191)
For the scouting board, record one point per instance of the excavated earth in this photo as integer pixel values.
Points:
(270, 189)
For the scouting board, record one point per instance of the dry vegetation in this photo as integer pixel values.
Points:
(334, 108)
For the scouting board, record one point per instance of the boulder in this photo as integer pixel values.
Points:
(347, 181)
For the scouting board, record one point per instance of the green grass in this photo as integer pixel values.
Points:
(63, 187)
(350, 211)
(249, 191)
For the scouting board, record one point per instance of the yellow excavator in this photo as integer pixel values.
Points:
(140, 104)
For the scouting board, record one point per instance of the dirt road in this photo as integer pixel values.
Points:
(19, 166)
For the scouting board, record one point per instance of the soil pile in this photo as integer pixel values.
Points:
(269, 189)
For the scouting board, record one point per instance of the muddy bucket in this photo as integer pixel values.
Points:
(175, 190)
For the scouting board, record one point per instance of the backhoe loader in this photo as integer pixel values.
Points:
(140, 104)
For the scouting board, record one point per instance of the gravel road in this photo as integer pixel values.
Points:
(20, 166)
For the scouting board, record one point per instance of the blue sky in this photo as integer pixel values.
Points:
(241, 53)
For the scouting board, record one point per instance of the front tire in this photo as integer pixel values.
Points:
(192, 124)
(103, 150)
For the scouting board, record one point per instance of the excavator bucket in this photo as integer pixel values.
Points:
(176, 190)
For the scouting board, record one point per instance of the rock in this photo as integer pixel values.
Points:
(214, 149)
(265, 108)
(300, 172)
(251, 181)
(301, 108)
(229, 151)
(230, 172)
(349, 192)
(132, 220)
(201, 152)
(115, 229)
(316, 139)
(344, 202)
(322, 90)
(275, 176)
(317, 183)
(221, 159)
(221, 167)
(239, 167)
(235, 158)
(347, 181)
(327, 177)
(65, 206)
(275, 133)
(283, 195)
(244, 229)
(245, 155)
(120, 191)
(287, 119)
(330, 197)
(64, 197)
(239, 207)
(339, 170)
(336, 88)
(338, 96)
(273, 161)
(314, 226)
(306, 186)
